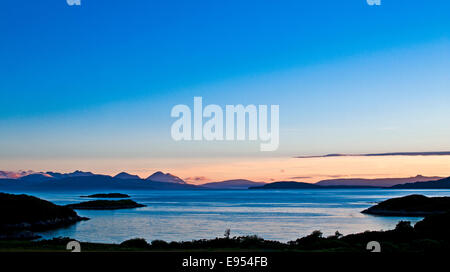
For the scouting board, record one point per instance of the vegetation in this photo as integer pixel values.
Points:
(135, 243)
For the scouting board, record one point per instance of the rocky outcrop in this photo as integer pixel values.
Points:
(21, 214)
(412, 205)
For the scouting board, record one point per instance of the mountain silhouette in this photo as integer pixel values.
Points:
(80, 180)
(377, 182)
(436, 184)
(124, 175)
(87, 181)
(304, 185)
(36, 177)
(14, 174)
(161, 177)
(77, 173)
(233, 184)
(288, 185)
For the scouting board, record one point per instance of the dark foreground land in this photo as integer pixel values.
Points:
(20, 215)
(23, 215)
(429, 235)
(432, 234)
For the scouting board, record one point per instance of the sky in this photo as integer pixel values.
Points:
(92, 86)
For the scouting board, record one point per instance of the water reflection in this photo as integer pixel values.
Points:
(279, 215)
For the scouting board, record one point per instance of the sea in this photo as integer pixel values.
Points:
(184, 215)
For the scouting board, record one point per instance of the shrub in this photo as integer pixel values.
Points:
(135, 243)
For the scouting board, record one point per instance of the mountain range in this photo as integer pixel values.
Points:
(435, 184)
(414, 183)
(288, 185)
(379, 182)
(233, 184)
(79, 180)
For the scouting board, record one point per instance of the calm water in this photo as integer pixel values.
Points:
(272, 214)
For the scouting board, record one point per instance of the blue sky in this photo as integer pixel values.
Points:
(99, 80)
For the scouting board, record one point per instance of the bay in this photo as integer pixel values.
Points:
(185, 215)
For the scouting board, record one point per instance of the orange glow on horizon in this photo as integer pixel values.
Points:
(203, 170)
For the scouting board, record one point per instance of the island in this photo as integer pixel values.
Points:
(295, 185)
(287, 185)
(411, 205)
(105, 205)
(21, 215)
(109, 195)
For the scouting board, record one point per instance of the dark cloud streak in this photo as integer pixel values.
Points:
(439, 153)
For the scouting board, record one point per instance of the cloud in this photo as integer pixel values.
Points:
(299, 177)
(439, 153)
(15, 174)
(334, 176)
(197, 178)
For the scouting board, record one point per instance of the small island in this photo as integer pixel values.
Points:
(109, 195)
(412, 205)
(286, 185)
(105, 205)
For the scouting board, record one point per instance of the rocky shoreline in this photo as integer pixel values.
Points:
(22, 215)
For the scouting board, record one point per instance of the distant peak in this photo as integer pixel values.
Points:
(125, 175)
(37, 177)
(161, 177)
(16, 174)
(81, 172)
(76, 173)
